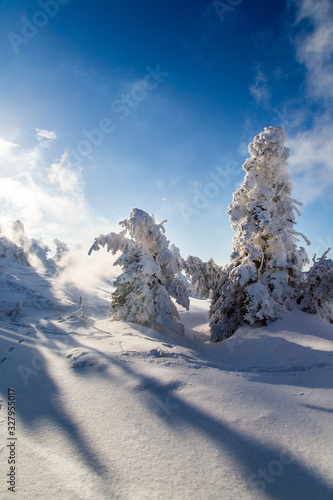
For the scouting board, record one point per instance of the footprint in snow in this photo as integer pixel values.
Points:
(2, 360)
(20, 341)
(10, 349)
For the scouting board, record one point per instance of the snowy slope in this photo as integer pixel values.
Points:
(113, 410)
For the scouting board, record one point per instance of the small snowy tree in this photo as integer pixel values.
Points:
(318, 291)
(204, 276)
(35, 250)
(61, 250)
(150, 274)
(8, 249)
(263, 277)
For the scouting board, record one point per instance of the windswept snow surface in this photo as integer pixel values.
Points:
(111, 410)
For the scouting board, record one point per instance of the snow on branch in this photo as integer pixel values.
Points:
(151, 273)
(307, 241)
(264, 275)
(317, 297)
(113, 242)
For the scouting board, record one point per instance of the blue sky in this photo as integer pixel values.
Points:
(155, 105)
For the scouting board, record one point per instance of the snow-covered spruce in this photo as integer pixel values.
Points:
(10, 250)
(15, 243)
(264, 275)
(204, 276)
(61, 250)
(318, 291)
(150, 274)
(35, 250)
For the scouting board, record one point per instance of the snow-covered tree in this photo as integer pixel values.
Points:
(204, 276)
(35, 250)
(263, 277)
(62, 249)
(150, 274)
(318, 291)
(10, 250)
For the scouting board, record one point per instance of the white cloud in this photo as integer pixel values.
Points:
(48, 199)
(315, 50)
(6, 147)
(45, 134)
(311, 162)
(65, 178)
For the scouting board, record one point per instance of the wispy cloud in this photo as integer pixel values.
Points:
(66, 179)
(49, 199)
(45, 134)
(316, 48)
(311, 162)
(311, 158)
(6, 147)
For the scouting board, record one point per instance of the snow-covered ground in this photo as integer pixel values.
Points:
(110, 410)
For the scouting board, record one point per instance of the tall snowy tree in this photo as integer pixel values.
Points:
(150, 274)
(264, 275)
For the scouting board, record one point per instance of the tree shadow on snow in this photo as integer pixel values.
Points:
(303, 366)
(318, 408)
(39, 399)
(262, 467)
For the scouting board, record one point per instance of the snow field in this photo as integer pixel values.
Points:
(112, 410)
(131, 423)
